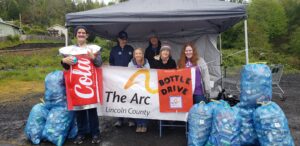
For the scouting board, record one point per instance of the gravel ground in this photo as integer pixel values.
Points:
(13, 116)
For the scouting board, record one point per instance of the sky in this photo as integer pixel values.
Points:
(105, 1)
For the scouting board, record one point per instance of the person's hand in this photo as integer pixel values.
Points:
(90, 54)
(68, 60)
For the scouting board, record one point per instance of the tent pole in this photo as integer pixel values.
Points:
(65, 32)
(246, 41)
(221, 59)
(220, 42)
(66, 37)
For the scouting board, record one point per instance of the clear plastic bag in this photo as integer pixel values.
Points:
(36, 122)
(225, 127)
(199, 119)
(271, 125)
(58, 125)
(256, 84)
(55, 90)
(248, 135)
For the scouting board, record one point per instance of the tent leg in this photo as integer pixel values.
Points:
(246, 41)
(66, 37)
(221, 60)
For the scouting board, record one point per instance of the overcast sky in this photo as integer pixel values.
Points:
(105, 1)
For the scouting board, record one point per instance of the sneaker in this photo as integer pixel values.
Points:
(143, 129)
(79, 139)
(96, 139)
(131, 124)
(138, 129)
(118, 124)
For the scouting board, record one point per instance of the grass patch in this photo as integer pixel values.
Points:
(6, 44)
(233, 59)
(14, 89)
(23, 73)
(29, 66)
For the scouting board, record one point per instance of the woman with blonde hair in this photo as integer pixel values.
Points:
(189, 58)
(139, 61)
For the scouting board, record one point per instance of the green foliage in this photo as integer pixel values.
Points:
(106, 46)
(13, 38)
(258, 38)
(235, 58)
(292, 9)
(295, 41)
(233, 38)
(37, 31)
(270, 15)
(43, 12)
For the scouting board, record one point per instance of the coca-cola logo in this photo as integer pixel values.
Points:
(83, 87)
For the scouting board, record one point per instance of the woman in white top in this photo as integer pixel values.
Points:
(138, 61)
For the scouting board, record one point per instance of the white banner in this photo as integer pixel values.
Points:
(132, 92)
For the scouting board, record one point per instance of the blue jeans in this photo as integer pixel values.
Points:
(199, 98)
(87, 122)
(142, 122)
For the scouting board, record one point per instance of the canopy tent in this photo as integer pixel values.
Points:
(176, 21)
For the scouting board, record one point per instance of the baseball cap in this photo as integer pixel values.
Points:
(123, 35)
(153, 35)
(80, 27)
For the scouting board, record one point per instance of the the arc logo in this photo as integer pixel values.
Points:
(131, 81)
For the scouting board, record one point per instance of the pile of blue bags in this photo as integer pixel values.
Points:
(225, 126)
(200, 120)
(51, 120)
(256, 85)
(248, 134)
(256, 120)
(271, 125)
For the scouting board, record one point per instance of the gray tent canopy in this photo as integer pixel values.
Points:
(175, 21)
(167, 18)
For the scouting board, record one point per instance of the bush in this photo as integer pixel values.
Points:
(295, 41)
(13, 38)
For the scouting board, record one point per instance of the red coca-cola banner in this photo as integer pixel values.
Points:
(83, 84)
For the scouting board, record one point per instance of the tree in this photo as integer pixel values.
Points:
(271, 16)
(295, 41)
(292, 9)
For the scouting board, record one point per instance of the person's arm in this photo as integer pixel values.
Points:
(147, 54)
(174, 64)
(65, 65)
(98, 60)
(130, 64)
(66, 62)
(205, 75)
(111, 57)
(147, 65)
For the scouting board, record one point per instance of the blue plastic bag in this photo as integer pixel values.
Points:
(256, 84)
(58, 125)
(36, 122)
(74, 129)
(55, 90)
(271, 126)
(248, 135)
(199, 119)
(225, 127)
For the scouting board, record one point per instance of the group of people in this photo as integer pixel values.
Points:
(157, 56)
